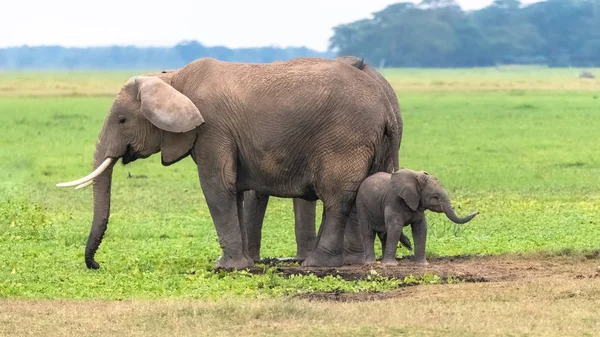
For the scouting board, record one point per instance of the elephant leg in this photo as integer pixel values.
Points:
(226, 208)
(419, 233)
(337, 190)
(369, 246)
(329, 248)
(368, 235)
(394, 231)
(329, 251)
(354, 251)
(305, 217)
(255, 206)
(243, 231)
(232, 235)
(382, 239)
(323, 218)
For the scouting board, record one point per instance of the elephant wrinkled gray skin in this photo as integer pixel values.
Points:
(306, 128)
(388, 202)
(255, 204)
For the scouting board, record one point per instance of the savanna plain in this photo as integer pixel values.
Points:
(519, 144)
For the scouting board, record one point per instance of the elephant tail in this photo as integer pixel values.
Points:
(358, 63)
(395, 138)
(384, 159)
(388, 160)
(405, 241)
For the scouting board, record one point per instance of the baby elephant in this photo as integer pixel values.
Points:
(387, 202)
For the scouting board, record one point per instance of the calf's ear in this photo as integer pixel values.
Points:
(407, 185)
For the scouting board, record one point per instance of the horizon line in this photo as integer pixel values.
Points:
(275, 45)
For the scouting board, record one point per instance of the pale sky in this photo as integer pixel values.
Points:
(231, 23)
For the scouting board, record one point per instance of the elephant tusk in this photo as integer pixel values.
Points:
(85, 184)
(90, 176)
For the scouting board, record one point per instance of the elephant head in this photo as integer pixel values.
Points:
(422, 191)
(148, 115)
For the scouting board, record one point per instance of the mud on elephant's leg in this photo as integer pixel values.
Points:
(305, 217)
(255, 206)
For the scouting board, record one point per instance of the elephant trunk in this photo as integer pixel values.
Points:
(449, 211)
(102, 188)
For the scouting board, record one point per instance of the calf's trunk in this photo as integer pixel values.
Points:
(449, 211)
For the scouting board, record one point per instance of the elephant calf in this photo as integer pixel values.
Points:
(387, 202)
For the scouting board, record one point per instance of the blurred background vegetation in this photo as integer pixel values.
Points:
(432, 34)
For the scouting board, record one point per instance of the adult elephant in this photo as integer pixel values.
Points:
(306, 128)
(255, 203)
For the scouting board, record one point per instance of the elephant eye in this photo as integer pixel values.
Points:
(435, 197)
(122, 120)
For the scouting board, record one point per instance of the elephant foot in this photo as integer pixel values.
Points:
(389, 262)
(301, 256)
(255, 258)
(422, 262)
(318, 259)
(355, 258)
(91, 263)
(370, 260)
(238, 263)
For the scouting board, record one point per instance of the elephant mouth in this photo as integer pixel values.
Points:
(131, 155)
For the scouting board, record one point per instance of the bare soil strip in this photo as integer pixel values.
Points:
(469, 269)
(534, 295)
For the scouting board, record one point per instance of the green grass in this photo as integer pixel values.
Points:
(527, 160)
(517, 79)
(64, 83)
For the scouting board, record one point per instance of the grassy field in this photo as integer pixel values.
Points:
(519, 144)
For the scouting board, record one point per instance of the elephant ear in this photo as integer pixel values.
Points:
(165, 107)
(407, 185)
(176, 146)
(172, 112)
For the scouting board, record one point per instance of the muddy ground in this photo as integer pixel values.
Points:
(469, 269)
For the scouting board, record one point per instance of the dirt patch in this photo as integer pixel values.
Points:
(549, 307)
(469, 269)
(348, 297)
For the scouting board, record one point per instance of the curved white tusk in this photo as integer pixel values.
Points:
(90, 176)
(85, 184)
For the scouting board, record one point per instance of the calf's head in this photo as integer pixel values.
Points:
(422, 191)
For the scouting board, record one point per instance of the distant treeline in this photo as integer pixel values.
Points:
(433, 33)
(437, 33)
(131, 57)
